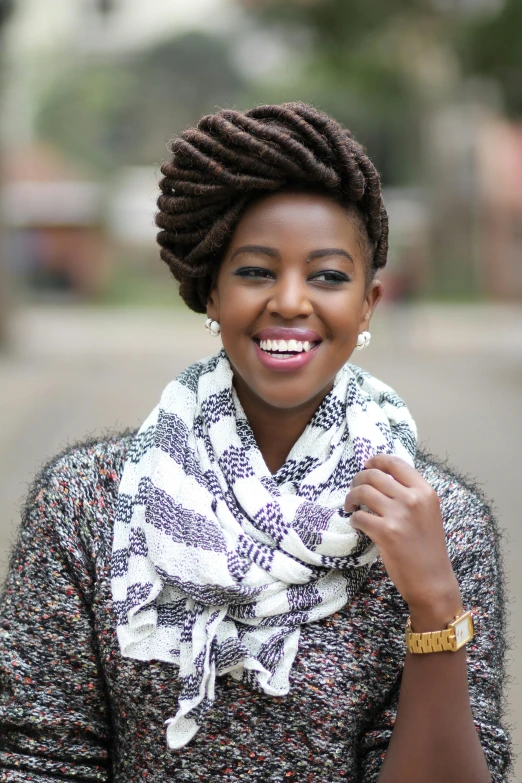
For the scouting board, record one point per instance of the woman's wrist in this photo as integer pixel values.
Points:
(436, 613)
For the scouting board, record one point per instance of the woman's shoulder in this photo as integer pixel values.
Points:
(74, 494)
(88, 458)
(81, 466)
(68, 515)
(468, 515)
(447, 480)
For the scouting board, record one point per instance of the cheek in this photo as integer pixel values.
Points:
(341, 315)
(239, 308)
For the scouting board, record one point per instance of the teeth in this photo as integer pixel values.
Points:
(285, 346)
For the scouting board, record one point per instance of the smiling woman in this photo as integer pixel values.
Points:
(294, 269)
(236, 577)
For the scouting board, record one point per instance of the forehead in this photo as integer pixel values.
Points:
(302, 220)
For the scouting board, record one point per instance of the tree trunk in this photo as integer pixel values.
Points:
(5, 9)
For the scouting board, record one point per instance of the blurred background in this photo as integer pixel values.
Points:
(91, 327)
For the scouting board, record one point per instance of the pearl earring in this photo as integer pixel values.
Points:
(212, 327)
(363, 340)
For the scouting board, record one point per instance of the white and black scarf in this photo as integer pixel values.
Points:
(216, 562)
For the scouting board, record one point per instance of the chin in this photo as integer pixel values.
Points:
(285, 403)
(282, 391)
(289, 396)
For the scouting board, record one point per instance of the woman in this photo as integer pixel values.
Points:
(234, 580)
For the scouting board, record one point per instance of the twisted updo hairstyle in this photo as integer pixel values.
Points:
(232, 157)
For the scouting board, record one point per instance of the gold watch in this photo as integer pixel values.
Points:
(456, 634)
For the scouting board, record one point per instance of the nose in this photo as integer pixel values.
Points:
(290, 298)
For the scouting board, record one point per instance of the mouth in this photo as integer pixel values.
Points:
(285, 349)
(286, 352)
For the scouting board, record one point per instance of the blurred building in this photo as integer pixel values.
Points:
(476, 204)
(499, 152)
(408, 271)
(55, 239)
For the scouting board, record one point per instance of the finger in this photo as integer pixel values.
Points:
(366, 523)
(397, 468)
(365, 495)
(381, 481)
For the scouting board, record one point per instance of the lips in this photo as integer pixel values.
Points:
(285, 362)
(286, 349)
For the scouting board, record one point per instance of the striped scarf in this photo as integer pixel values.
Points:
(216, 562)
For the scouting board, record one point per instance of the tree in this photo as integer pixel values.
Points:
(490, 46)
(374, 64)
(116, 112)
(6, 6)
(362, 67)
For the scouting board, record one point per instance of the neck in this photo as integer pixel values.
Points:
(276, 429)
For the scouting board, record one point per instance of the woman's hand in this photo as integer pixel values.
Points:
(406, 525)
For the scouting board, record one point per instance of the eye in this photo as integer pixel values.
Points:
(254, 272)
(330, 277)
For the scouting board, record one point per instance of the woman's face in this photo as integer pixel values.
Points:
(291, 297)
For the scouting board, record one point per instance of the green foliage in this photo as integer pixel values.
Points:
(359, 60)
(492, 47)
(81, 112)
(6, 8)
(112, 113)
(357, 72)
(339, 23)
(485, 43)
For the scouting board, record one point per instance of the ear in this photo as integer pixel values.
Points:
(213, 307)
(371, 299)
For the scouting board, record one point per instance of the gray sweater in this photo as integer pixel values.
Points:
(72, 709)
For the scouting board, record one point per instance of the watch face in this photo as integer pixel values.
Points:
(463, 630)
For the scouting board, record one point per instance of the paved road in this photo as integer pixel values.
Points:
(74, 372)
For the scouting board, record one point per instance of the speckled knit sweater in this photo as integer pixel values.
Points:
(71, 708)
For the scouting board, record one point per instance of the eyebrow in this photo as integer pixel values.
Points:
(259, 250)
(269, 251)
(330, 251)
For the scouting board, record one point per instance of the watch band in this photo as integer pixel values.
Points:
(457, 633)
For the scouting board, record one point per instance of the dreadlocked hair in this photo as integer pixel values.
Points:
(230, 158)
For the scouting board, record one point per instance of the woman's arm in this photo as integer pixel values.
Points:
(435, 735)
(54, 722)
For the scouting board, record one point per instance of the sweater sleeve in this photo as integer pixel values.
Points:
(54, 720)
(473, 542)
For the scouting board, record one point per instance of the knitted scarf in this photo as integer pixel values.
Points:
(216, 562)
